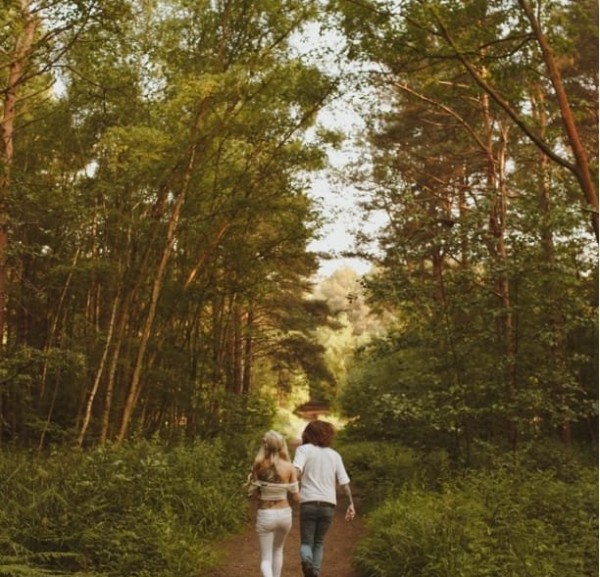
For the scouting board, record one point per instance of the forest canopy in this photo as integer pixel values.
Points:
(156, 276)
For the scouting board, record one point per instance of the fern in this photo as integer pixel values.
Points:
(143, 509)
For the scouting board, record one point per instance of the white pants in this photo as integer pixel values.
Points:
(272, 526)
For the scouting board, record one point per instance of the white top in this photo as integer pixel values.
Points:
(275, 491)
(321, 469)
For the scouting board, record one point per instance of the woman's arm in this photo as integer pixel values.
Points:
(294, 496)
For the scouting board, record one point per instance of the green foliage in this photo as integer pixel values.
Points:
(493, 285)
(33, 397)
(234, 414)
(540, 455)
(433, 383)
(136, 510)
(381, 469)
(241, 418)
(510, 522)
(396, 391)
(188, 115)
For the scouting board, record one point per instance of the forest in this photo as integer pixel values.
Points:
(160, 298)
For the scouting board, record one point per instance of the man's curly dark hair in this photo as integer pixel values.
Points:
(319, 433)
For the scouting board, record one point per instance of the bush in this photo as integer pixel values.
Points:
(507, 523)
(136, 510)
(379, 470)
(539, 455)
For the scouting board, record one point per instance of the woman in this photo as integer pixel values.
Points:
(321, 469)
(276, 482)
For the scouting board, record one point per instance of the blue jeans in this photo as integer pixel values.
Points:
(315, 520)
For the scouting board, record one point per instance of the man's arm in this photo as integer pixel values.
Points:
(294, 496)
(350, 511)
(299, 460)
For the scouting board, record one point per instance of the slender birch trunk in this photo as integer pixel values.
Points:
(54, 327)
(146, 332)
(558, 347)
(100, 372)
(497, 186)
(110, 382)
(248, 352)
(237, 350)
(135, 386)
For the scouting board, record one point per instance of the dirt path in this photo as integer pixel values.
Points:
(240, 554)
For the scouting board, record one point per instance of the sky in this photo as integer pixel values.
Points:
(339, 202)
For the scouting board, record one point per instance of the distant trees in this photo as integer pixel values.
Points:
(353, 327)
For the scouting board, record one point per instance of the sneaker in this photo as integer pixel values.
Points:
(307, 569)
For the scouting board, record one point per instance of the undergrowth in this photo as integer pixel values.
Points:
(527, 515)
(139, 511)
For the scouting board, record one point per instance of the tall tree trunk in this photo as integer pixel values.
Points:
(248, 350)
(218, 330)
(110, 382)
(237, 360)
(16, 68)
(134, 388)
(506, 320)
(558, 352)
(49, 415)
(135, 385)
(99, 373)
(582, 167)
(228, 344)
(496, 153)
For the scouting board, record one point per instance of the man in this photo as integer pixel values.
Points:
(320, 469)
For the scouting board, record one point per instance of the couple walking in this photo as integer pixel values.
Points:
(311, 480)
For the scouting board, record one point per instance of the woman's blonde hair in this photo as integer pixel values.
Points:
(272, 448)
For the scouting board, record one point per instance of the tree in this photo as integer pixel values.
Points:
(175, 264)
(526, 41)
(448, 168)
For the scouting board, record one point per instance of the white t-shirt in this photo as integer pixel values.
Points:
(321, 468)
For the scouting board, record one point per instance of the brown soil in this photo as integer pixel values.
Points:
(240, 554)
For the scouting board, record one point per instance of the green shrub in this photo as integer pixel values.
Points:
(507, 523)
(135, 510)
(379, 470)
(540, 455)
